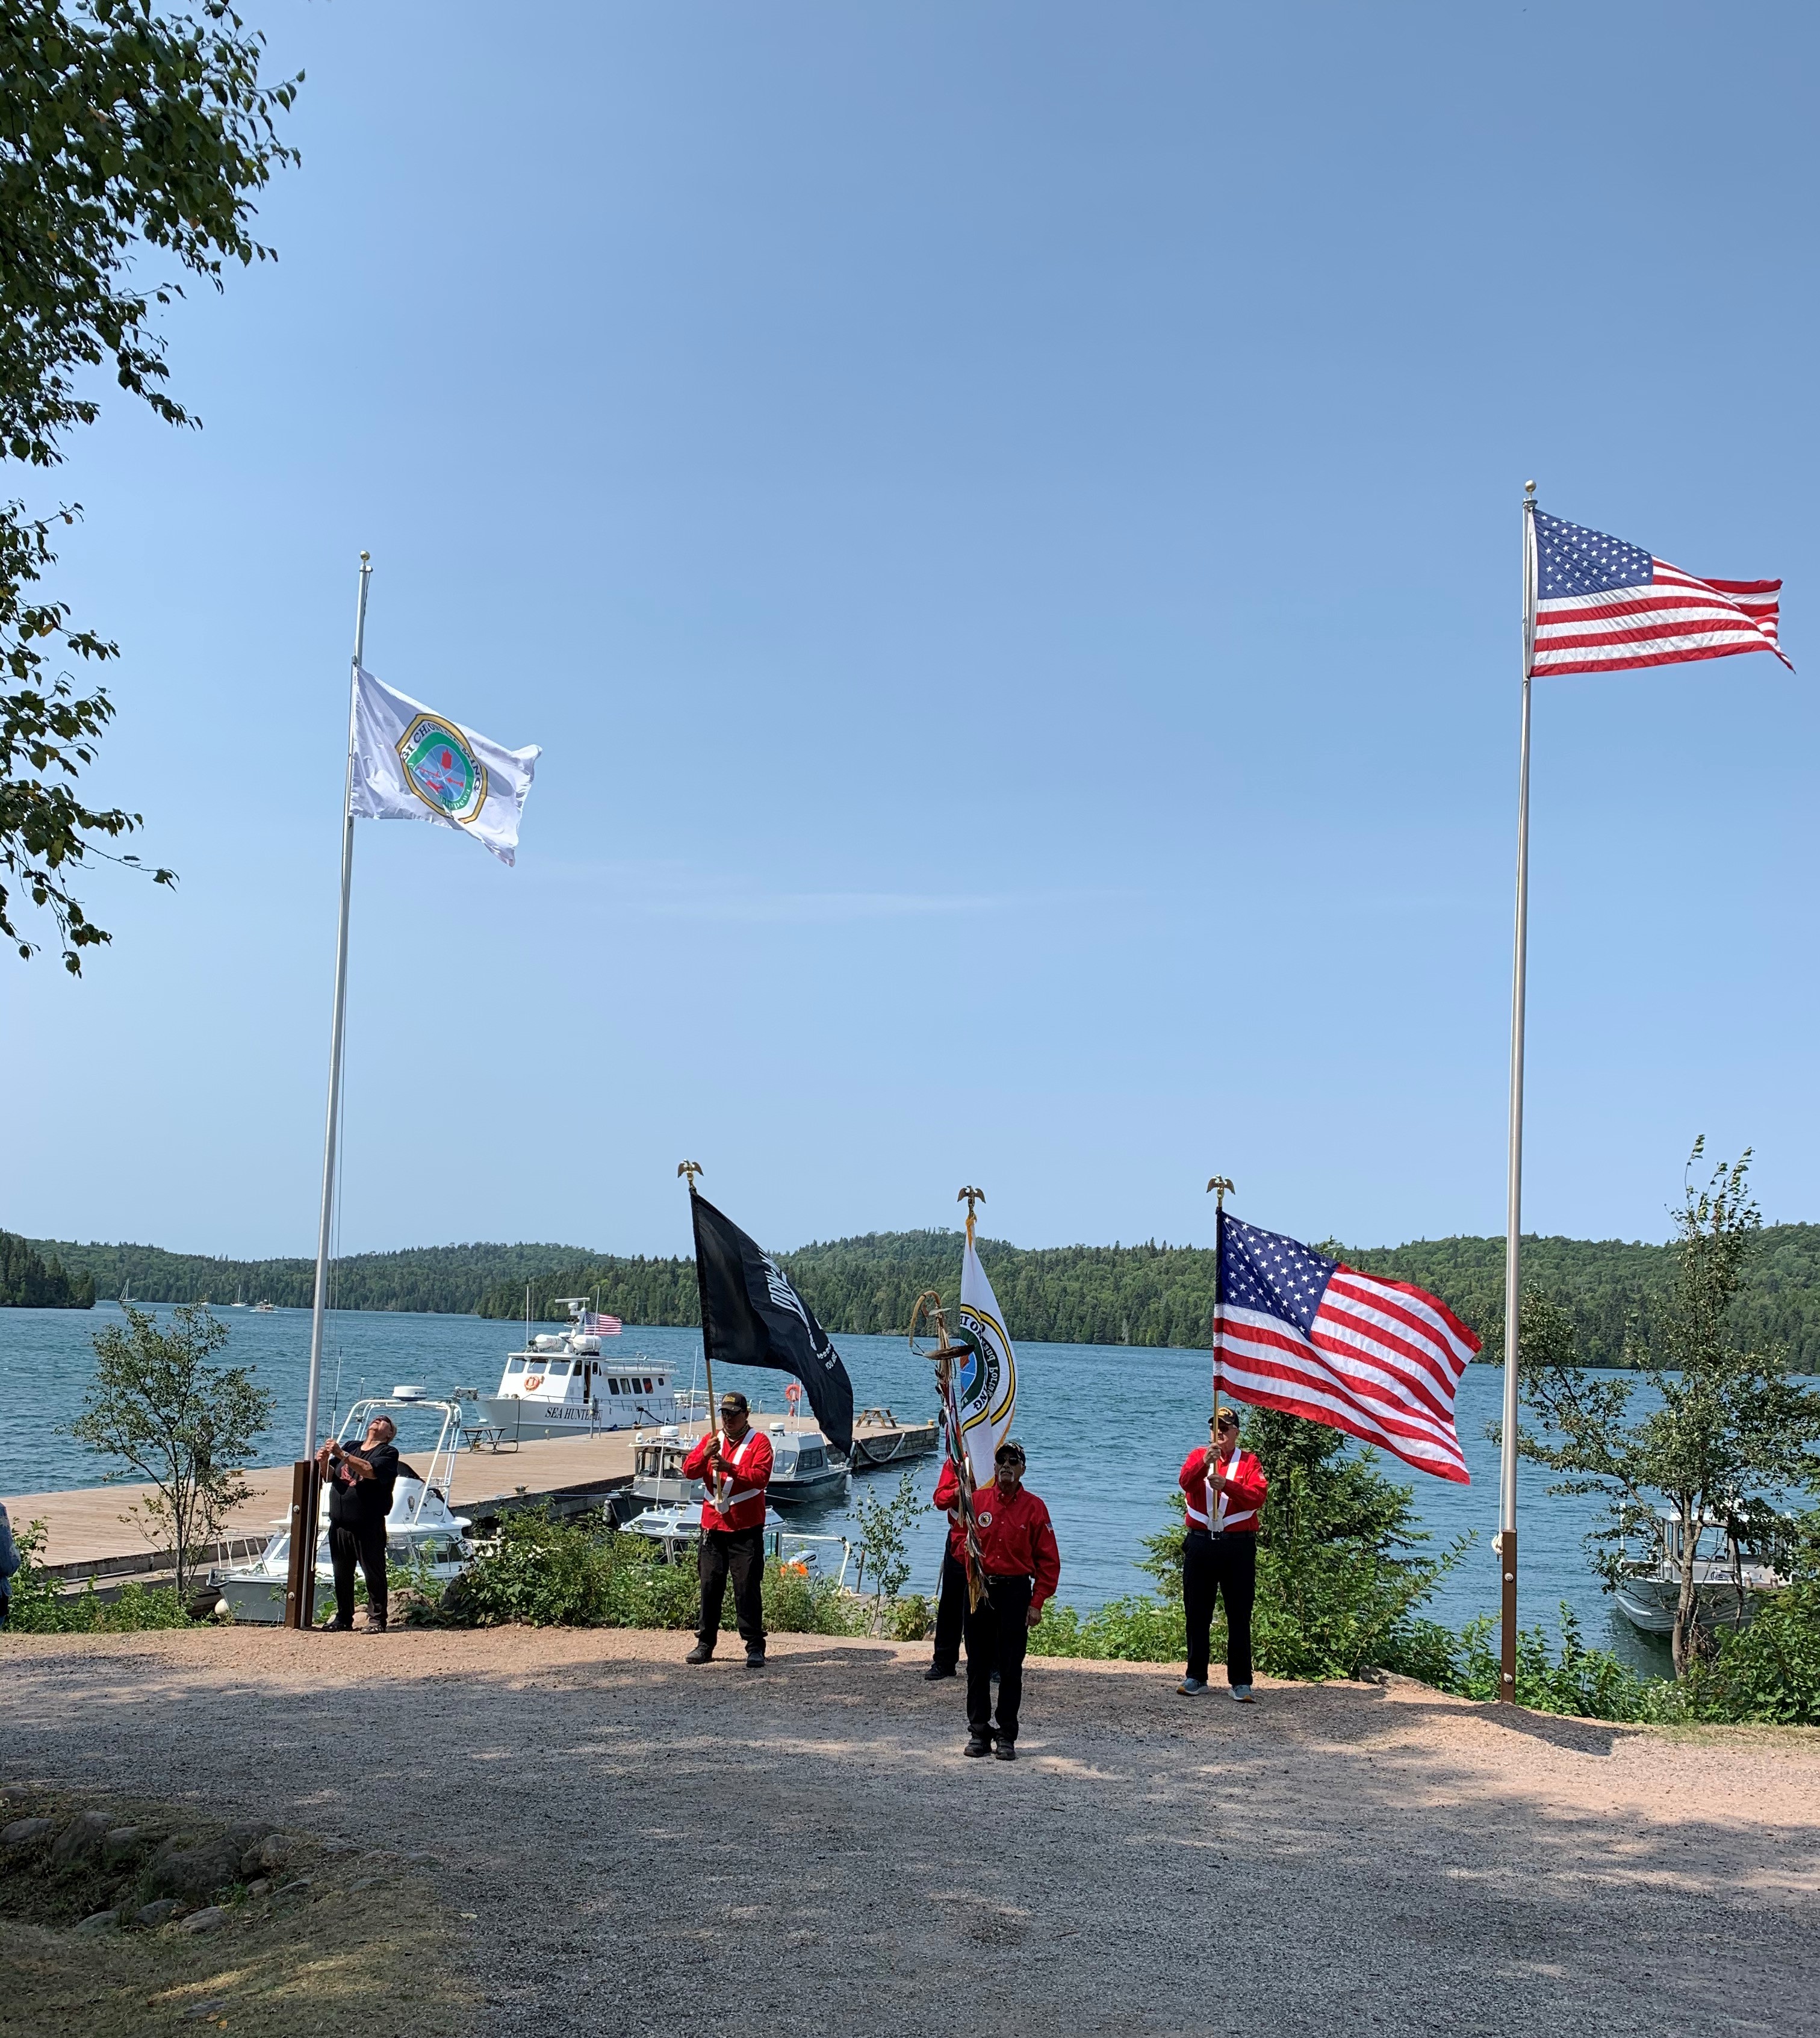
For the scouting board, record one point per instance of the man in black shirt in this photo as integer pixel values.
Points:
(360, 1478)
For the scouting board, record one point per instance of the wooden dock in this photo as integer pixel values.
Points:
(87, 1538)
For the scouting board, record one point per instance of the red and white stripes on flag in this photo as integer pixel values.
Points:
(1603, 605)
(1378, 1359)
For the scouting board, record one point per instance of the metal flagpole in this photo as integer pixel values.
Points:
(300, 1592)
(1219, 1189)
(1507, 1542)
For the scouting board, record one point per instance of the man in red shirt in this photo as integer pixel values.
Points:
(1023, 1567)
(1225, 1488)
(734, 1464)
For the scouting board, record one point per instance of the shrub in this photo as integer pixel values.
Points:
(1769, 1671)
(39, 1607)
(1137, 1629)
(585, 1574)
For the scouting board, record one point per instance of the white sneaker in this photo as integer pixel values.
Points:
(1242, 1694)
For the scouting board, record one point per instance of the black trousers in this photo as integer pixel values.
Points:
(950, 1612)
(740, 1551)
(996, 1639)
(363, 1543)
(1227, 1565)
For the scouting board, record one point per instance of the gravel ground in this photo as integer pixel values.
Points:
(649, 1848)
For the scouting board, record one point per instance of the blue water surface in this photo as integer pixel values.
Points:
(1106, 1426)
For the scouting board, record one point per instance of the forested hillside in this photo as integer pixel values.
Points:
(1164, 1295)
(446, 1280)
(1145, 1294)
(27, 1282)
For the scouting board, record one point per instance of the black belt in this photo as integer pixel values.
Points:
(1212, 1535)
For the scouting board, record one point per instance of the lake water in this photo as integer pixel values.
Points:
(1107, 1428)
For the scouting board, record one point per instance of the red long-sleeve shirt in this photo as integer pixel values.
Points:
(1242, 1507)
(1016, 1537)
(746, 1470)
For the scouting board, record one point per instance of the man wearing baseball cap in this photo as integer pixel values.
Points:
(1023, 1567)
(1225, 1488)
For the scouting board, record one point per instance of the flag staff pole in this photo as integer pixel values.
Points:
(1507, 1542)
(1219, 1189)
(691, 1169)
(300, 1587)
(337, 1025)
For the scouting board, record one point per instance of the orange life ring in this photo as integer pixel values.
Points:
(532, 1382)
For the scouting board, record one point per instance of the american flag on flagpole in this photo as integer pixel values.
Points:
(598, 1326)
(1604, 606)
(1312, 1336)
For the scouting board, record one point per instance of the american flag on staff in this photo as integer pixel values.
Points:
(1312, 1336)
(1604, 606)
(595, 1326)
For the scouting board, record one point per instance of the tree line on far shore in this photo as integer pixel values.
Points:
(1143, 1295)
(29, 1281)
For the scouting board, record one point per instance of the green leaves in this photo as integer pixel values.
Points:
(171, 1417)
(120, 129)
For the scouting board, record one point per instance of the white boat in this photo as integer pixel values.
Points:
(421, 1531)
(559, 1384)
(262, 1308)
(1648, 1588)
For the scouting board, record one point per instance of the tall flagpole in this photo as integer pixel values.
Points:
(1507, 1544)
(1219, 1189)
(336, 1025)
(691, 1169)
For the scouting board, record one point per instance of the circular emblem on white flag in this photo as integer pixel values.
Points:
(441, 768)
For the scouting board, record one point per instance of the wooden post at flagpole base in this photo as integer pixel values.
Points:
(300, 1581)
(1507, 1540)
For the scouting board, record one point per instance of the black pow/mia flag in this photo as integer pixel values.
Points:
(752, 1315)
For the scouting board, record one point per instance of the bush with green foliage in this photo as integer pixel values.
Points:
(585, 1573)
(40, 1606)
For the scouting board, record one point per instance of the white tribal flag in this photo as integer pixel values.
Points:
(987, 1390)
(411, 765)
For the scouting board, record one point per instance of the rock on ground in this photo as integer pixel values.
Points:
(622, 1828)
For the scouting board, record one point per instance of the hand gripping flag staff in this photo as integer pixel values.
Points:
(952, 1356)
(405, 762)
(751, 1315)
(1591, 603)
(1297, 1331)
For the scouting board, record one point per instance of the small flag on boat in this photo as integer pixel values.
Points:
(594, 1326)
(412, 764)
(751, 1315)
(1604, 606)
(1379, 1359)
(987, 1391)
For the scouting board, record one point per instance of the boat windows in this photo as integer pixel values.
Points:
(515, 1365)
(613, 1386)
(557, 1367)
(647, 1387)
(811, 1461)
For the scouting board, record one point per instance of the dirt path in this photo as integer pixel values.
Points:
(1337, 1858)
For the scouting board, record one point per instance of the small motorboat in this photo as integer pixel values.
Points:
(422, 1534)
(1728, 1584)
(806, 1470)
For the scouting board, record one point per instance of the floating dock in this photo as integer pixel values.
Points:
(87, 1538)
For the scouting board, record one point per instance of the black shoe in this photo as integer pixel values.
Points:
(936, 1670)
(755, 1659)
(1006, 1751)
(702, 1653)
(977, 1745)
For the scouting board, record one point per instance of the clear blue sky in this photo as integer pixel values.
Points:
(1004, 521)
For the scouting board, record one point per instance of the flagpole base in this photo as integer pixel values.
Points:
(299, 1582)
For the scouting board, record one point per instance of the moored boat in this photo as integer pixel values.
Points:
(559, 1384)
(423, 1533)
(1727, 1585)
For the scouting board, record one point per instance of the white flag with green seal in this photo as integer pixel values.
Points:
(987, 1391)
(413, 764)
